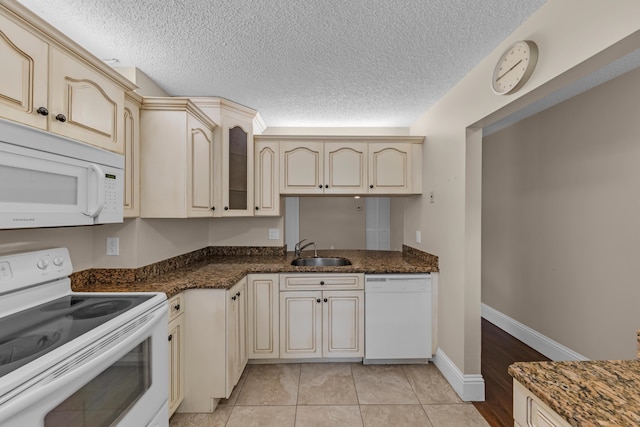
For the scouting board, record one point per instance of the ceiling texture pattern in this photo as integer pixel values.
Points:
(325, 63)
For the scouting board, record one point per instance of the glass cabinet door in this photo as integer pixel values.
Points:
(238, 144)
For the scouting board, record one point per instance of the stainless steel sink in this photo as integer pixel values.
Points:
(320, 262)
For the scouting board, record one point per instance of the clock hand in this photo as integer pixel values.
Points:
(509, 70)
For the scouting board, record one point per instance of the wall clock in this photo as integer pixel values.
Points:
(514, 67)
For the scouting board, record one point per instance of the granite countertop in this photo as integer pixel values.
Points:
(222, 272)
(589, 393)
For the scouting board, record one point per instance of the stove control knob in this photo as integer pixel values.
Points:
(58, 261)
(42, 264)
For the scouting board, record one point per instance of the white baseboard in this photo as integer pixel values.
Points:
(469, 387)
(534, 339)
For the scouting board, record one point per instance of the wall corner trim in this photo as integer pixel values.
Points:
(469, 387)
(534, 339)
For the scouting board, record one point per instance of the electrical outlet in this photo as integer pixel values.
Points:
(274, 233)
(113, 246)
(418, 236)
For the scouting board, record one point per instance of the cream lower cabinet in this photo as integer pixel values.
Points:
(530, 411)
(317, 323)
(176, 352)
(263, 316)
(215, 347)
(177, 148)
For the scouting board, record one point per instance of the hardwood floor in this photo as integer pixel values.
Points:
(499, 350)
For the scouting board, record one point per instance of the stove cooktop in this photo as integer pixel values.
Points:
(31, 333)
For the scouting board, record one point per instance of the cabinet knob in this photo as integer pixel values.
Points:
(326, 186)
(371, 186)
(322, 282)
(226, 208)
(318, 300)
(170, 337)
(320, 186)
(234, 297)
(177, 307)
(42, 111)
(326, 300)
(61, 118)
(213, 208)
(257, 208)
(238, 294)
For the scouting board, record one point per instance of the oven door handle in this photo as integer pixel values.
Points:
(100, 187)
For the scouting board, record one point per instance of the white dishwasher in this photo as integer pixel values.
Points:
(398, 318)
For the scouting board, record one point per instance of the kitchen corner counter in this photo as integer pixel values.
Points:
(222, 272)
(585, 393)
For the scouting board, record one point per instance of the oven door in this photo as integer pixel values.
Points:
(118, 380)
(39, 189)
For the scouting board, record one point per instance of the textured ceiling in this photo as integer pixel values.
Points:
(299, 62)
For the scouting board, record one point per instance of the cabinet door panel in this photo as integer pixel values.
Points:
(302, 168)
(345, 168)
(131, 159)
(300, 324)
(176, 363)
(389, 168)
(343, 329)
(263, 330)
(200, 151)
(23, 75)
(237, 165)
(267, 194)
(91, 104)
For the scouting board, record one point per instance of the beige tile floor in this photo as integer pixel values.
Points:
(339, 394)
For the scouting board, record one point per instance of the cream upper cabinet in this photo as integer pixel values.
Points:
(390, 168)
(176, 159)
(349, 165)
(132, 155)
(84, 104)
(345, 167)
(233, 166)
(263, 316)
(302, 167)
(23, 75)
(50, 82)
(267, 170)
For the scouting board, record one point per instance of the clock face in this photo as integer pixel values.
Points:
(514, 67)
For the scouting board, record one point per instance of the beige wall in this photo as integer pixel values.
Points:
(560, 221)
(337, 222)
(252, 231)
(569, 48)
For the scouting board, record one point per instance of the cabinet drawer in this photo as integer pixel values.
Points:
(321, 281)
(176, 306)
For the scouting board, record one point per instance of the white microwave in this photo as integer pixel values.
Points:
(50, 181)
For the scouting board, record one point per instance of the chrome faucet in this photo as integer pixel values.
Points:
(298, 248)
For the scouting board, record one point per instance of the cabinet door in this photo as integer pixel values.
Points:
(23, 75)
(84, 104)
(343, 323)
(131, 158)
(389, 168)
(302, 168)
(267, 192)
(301, 324)
(237, 165)
(176, 363)
(199, 159)
(263, 330)
(345, 168)
(236, 334)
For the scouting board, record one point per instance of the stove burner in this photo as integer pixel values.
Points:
(63, 305)
(99, 309)
(20, 348)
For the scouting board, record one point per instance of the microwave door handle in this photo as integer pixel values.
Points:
(100, 183)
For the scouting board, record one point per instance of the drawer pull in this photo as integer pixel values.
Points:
(176, 307)
(170, 337)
